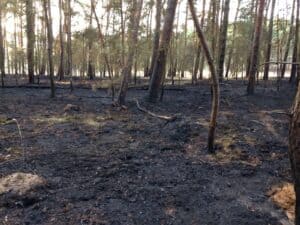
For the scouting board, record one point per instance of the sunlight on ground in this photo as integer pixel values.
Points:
(20, 183)
(54, 119)
(86, 120)
(284, 197)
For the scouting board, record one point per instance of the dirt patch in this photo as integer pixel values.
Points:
(284, 197)
(20, 183)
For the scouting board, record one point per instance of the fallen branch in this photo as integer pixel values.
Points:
(167, 118)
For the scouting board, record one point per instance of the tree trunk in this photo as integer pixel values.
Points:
(156, 36)
(223, 40)
(294, 151)
(233, 39)
(196, 64)
(132, 45)
(122, 32)
(295, 49)
(289, 39)
(61, 68)
(255, 48)
(269, 43)
(48, 18)
(68, 17)
(254, 13)
(91, 67)
(30, 39)
(198, 53)
(215, 85)
(2, 51)
(160, 62)
(104, 51)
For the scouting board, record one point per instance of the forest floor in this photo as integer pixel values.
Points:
(83, 161)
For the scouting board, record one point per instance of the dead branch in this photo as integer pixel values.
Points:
(167, 118)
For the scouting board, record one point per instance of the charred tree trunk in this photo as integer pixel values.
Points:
(294, 151)
(254, 12)
(290, 37)
(30, 39)
(215, 85)
(269, 43)
(233, 40)
(61, 70)
(223, 40)
(255, 48)
(295, 49)
(48, 18)
(160, 62)
(198, 53)
(2, 51)
(91, 67)
(156, 36)
(68, 17)
(132, 45)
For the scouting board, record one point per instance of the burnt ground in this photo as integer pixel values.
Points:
(106, 165)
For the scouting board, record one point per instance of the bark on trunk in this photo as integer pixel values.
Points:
(295, 50)
(290, 37)
(233, 40)
(48, 18)
(2, 51)
(223, 40)
(198, 53)
(294, 151)
(30, 39)
(269, 43)
(132, 45)
(215, 84)
(160, 62)
(156, 37)
(255, 48)
(61, 70)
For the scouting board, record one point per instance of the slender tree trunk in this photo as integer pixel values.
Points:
(91, 67)
(294, 151)
(30, 39)
(269, 43)
(289, 39)
(295, 49)
(233, 39)
(43, 51)
(22, 42)
(156, 37)
(254, 12)
(223, 40)
(160, 62)
(15, 46)
(48, 18)
(215, 85)
(122, 32)
(61, 68)
(196, 64)
(132, 45)
(2, 51)
(104, 51)
(198, 53)
(255, 49)
(68, 16)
